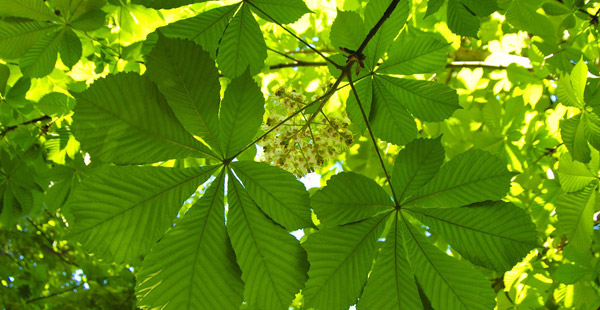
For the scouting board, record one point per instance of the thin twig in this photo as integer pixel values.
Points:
(298, 64)
(68, 290)
(33, 121)
(375, 28)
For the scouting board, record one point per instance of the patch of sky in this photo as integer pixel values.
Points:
(311, 180)
(298, 234)
(553, 98)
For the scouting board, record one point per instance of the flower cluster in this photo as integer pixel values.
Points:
(298, 146)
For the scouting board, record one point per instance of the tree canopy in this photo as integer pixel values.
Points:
(299, 154)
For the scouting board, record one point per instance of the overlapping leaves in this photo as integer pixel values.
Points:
(391, 103)
(457, 200)
(174, 111)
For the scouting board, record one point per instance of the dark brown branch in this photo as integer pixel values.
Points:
(375, 28)
(299, 64)
(33, 121)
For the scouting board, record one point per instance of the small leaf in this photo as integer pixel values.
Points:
(241, 114)
(273, 263)
(242, 46)
(347, 30)
(283, 12)
(415, 165)
(277, 192)
(120, 212)
(576, 216)
(349, 197)
(573, 175)
(70, 48)
(56, 104)
(495, 235)
(469, 177)
(340, 259)
(196, 252)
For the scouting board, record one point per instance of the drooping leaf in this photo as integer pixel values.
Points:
(277, 192)
(56, 104)
(469, 177)
(447, 282)
(391, 284)
(380, 43)
(242, 46)
(241, 114)
(17, 37)
(120, 212)
(461, 20)
(389, 118)
(283, 12)
(189, 80)
(40, 59)
(70, 48)
(340, 259)
(205, 29)
(572, 132)
(349, 197)
(272, 262)
(415, 165)
(411, 54)
(575, 216)
(125, 120)
(573, 175)
(495, 235)
(347, 30)
(32, 9)
(426, 100)
(175, 275)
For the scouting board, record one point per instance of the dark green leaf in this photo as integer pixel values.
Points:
(411, 54)
(40, 59)
(282, 12)
(32, 9)
(389, 118)
(16, 37)
(380, 43)
(56, 104)
(70, 48)
(461, 20)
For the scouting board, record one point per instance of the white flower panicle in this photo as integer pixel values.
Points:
(295, 146)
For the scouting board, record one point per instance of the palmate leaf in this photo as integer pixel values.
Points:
(420, 53)
(349, 197)
(575, 216)
(448, 282)
(495, 235)
(272, 262)
(120, 212)
(241, 114)
(391, 284)
(472, 176)
(573, 175)
(277, 192)
(189, 80)
(283, 12)
(340, 259)
(415, 165)
(242, 45)
(193, 266)
(205, 29)
(124, 119)
(380, 43)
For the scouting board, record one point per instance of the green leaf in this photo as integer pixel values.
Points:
(125, 120)
(572, 132)
(380, 43)
(591, 129)
(571, 87)
(189, 80)
(349, 197)
(70, 48)
(282, 12)
(415, 165)
(347, 30)
(75, 9)
(389, 118)
(277, 192)
(409, 54)
(4, 75)
(448, 282)
(241, 114)
(120, 212)
(426, 100)
(555, 8)
(433, 6)
(165, 4)
(391, 284)
(196, 252)
(481, 7)
(364, 89)
(495, 235)
(56, 104)
(576, 216)
(89, 21)
(242, 46)
(340, 259)
(523, 15)
(461, 20)
(17, 37)
(32, 9)
(469, 177)
(573, 175)
(205, 29)
(40, 59)
(273, 263)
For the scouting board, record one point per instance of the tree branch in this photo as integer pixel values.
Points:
(35, 120)
(68, 290)
(298, 64)
(375, 28)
